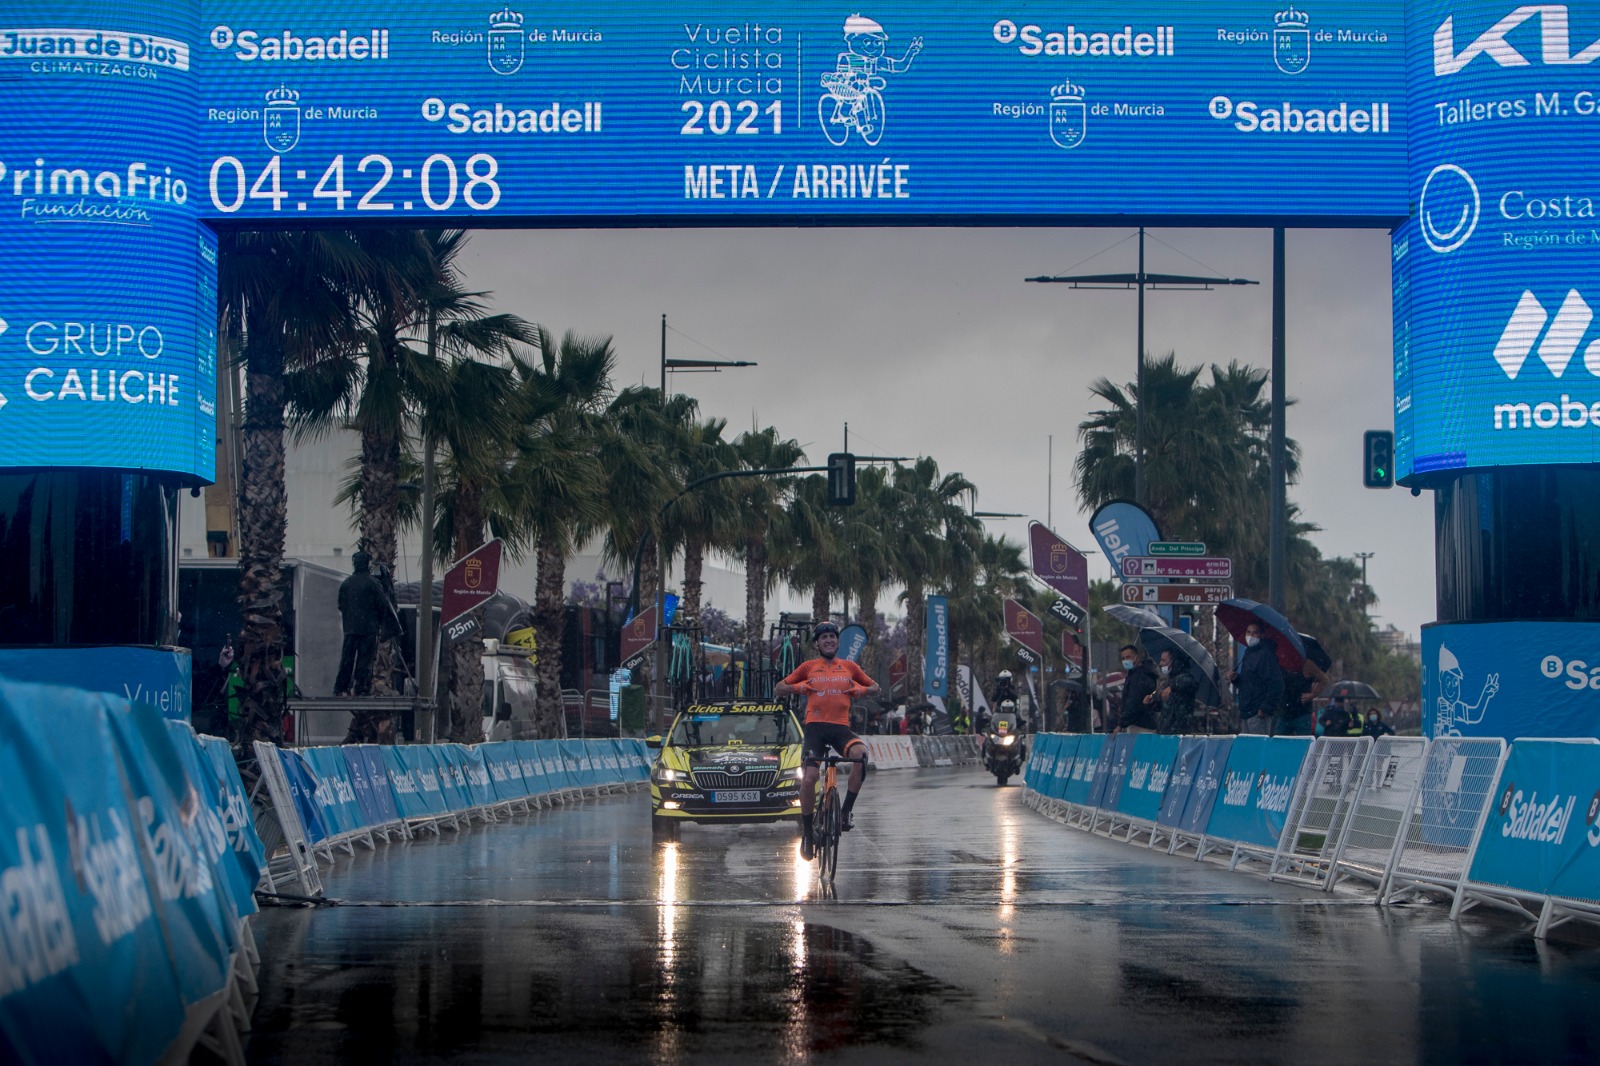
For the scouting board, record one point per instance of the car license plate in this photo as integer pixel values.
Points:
(745, 796)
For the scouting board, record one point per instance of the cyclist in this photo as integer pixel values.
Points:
(829, 683)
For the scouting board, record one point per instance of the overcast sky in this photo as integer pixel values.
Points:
(928, 342)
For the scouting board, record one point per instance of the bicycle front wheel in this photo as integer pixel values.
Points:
(828, 847)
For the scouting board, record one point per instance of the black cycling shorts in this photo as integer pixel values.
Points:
(820, 736)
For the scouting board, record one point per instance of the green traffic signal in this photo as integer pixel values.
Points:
(1378, 454)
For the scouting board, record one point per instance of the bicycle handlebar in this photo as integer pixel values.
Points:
(833, 760)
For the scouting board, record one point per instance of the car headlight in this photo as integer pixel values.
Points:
(663, 775)
(791, 774)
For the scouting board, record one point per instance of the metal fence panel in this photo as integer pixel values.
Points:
(1320, 809)
(1382, 805)
(1457, 783)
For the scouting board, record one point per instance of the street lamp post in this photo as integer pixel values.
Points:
(1365, 595)
(1140, 282)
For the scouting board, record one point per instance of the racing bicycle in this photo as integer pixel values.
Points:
(827, 822)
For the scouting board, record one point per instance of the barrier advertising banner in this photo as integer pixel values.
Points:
(1185, 768)
(92, 980)
(1085, 761)
(1253, 803)
(1207, 785)
(1149, 773)
(1543, 830)
(1116, 775)
(1511, 679)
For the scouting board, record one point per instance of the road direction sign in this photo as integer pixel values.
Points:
(1068, 612)
(1142, 567)
(1136, 593)
(1187, 548)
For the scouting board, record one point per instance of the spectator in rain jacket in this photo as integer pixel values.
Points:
(1140, 703)
(1376, 727)
(1177, 693)
(1259, 680)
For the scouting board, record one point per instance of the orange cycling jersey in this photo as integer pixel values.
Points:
(832, 681)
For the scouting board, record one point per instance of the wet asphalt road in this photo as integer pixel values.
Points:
(965, 928)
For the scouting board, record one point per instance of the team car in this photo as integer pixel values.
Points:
(726, 762)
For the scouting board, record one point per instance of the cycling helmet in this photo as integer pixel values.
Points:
(822, 628)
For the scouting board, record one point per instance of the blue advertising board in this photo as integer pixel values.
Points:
(1085, 761)
(1495, 361)
(161, 677)
(1511, 679)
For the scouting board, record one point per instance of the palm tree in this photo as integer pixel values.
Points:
(977, 603)
(414, 318)
(762, 508)
(812, 557)
(479, 416)
(867, 556)
(559, 479)
(703, 519)
(934, 542)
(292, 297)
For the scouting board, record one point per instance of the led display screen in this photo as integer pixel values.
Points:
(1496, 360)
(108, 298)
(786, 110)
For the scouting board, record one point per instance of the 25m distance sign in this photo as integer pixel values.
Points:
(463, 108)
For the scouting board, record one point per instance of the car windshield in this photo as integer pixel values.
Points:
(717, 730)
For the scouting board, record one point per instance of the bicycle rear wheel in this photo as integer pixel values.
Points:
(828, 846)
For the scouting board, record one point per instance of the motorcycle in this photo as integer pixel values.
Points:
(1004, 750)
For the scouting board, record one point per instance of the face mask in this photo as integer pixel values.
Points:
(1372, 718)
(1127, 664)
(1166, 671)
(1252, 641)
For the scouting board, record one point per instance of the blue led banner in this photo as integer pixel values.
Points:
(108, 299)
(783, 109)
(1495, 277)
(128, 127)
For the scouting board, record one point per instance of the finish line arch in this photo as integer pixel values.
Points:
(131, 135)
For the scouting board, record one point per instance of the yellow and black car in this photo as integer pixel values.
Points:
(726, 762)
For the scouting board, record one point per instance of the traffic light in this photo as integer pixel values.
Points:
(1377, 471)
(841, 479)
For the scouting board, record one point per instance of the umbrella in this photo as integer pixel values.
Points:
(1186, 648)
(1137, 617)
(1315, 652)
(1236, 614)
(1352, 690)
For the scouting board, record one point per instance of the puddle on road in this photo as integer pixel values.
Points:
(495, 982)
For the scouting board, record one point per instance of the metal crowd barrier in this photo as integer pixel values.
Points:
(1472, 821)
(330, 799)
